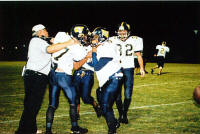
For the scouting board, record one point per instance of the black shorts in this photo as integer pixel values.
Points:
(160, 61)
(136, 63)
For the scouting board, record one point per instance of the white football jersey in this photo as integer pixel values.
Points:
(86, 65)
(60, 38)
(66, 57)
(107, 49)
(162, 50)
(127, 49)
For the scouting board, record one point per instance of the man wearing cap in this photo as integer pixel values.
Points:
(36, 76)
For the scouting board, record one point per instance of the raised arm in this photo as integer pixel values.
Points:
(59, 46)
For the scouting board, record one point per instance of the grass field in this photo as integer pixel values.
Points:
(160, 104)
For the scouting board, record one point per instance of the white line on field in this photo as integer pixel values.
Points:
(12, 95)
(85, 113)
(165, 83)
(148, 106)
(144, 85)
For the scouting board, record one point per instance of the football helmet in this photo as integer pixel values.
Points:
(123, 31)
(81, 33)
(102, 33)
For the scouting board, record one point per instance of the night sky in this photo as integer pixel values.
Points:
(156, 21)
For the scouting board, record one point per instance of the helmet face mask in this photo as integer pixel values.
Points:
(123, 34)
(82, 38)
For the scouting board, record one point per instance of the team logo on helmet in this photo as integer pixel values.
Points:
(80, 32)
(102, 33)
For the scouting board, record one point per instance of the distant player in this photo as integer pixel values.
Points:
(128, 46)
(65, 60)
(162, 50)
(105, 59)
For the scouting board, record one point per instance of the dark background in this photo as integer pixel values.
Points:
(172, 22)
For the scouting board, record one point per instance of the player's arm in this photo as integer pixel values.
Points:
(80, 63)
(59, 46)
(140, 61)
(99, 64)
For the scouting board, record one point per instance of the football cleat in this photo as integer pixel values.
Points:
(117, 124)
(78, 130)
(48, 132)
(112, 131)
(39, 132)
(125, 120)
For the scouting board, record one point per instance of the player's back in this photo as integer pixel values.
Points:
(162, 50)
(65, 57)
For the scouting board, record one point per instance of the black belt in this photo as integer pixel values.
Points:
(33, 72)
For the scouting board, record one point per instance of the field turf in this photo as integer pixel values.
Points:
(160, 104)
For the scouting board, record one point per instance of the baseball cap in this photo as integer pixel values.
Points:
(38, 27)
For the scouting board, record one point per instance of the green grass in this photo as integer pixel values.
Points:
(160, 104)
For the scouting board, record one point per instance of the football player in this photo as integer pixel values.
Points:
(65, 60)
(83, 77)
(162, 50)
(128, 46)
(108, 70)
